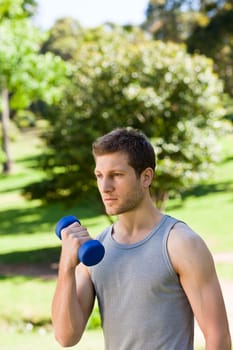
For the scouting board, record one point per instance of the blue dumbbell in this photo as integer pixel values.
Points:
(91, 252)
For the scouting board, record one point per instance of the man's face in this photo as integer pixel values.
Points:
(121, 190)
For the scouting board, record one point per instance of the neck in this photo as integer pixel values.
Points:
(135, 225)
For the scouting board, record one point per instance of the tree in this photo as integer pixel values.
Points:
(215, 40)
(64, 39)
(206, 27)
(123, 78)
(171, 20)
(25, 75)
(17, 9)
(176, 19)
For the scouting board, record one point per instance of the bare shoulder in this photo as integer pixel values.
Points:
(188, 250)
(183, 236)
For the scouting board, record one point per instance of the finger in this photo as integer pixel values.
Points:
(75, 224)
(70, 229)
(79, 232)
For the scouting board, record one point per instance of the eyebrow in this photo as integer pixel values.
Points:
(114, 170)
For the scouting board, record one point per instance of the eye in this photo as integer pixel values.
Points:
(98, 176)
(118, 174)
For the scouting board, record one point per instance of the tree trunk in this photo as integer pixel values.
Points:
(160, 198)
(7, 163)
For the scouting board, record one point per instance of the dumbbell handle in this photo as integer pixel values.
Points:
(91, 252)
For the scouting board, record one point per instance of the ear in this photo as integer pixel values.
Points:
(147, 177)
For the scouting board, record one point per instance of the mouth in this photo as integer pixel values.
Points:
(109, 200)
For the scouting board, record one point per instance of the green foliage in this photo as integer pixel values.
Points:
(35, 76)
(94, 322)
(176, 19)
(24, 119)
(123, 78)
(17, 8)
(64, 39)
(215, 40)
(205, 26)
(25, 74)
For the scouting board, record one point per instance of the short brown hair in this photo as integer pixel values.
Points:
(134, 143)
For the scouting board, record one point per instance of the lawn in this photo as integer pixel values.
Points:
(27, 236)
(208, 207)
(29, 339)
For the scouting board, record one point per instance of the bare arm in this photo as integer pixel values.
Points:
(74, 295)
(195, 266)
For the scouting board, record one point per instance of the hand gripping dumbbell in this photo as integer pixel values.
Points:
(91, 252)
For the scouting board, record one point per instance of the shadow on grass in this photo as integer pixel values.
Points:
(42, 218)
(201, 190)
(227, 159)
(205, 189)
(45, 255)
(31, 162)
(17, 180)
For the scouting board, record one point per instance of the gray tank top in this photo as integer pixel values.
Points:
(141, 301)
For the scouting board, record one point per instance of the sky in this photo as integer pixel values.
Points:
(91, 13)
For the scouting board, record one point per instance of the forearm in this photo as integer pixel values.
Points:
(219, 341)
(67, 316)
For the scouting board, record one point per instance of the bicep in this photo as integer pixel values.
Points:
(85, 291)
(202, 288)
(195, 266)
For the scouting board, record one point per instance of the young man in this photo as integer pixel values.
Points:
(156, 275)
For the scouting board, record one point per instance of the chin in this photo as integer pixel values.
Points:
(111, 211)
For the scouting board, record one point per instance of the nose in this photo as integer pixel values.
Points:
(106, 185)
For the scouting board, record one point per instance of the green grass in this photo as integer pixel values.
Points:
(208, 207)
(31, 300)
(41, 338)
(225, 271)
(27, 236)
(211, 217)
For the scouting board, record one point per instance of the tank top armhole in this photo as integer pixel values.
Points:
(166, 256)
(102, 236)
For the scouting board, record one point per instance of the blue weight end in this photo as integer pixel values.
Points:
(91, 252)
(64, 222)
